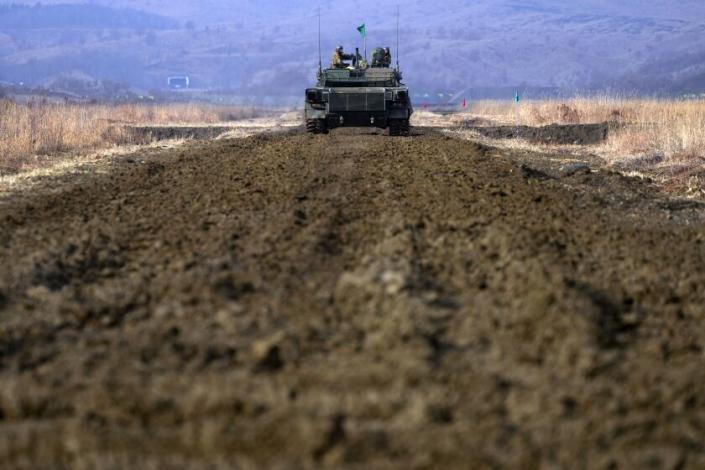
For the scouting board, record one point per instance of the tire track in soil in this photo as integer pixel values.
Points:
(350, 300)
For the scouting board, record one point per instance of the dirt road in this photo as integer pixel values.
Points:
(359, 301)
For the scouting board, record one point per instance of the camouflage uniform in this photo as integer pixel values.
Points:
(387, 57)
(339, 58)
(381, 57)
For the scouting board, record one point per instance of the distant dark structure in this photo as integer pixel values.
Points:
(179, 82)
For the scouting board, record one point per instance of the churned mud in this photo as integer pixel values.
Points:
(354, 301)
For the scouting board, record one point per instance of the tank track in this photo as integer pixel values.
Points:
(399, 127)
(316, 126)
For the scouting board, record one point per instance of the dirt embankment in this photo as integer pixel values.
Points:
(556, 134)
(152, 133)
(351, 301)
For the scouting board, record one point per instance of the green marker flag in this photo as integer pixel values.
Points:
(361, 30)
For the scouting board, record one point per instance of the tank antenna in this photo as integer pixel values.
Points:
(397, 37)
(320, 60)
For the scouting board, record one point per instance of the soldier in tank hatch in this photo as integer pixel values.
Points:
(339, 58)
(381, 57)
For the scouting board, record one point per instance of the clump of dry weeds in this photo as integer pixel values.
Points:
(28, 130)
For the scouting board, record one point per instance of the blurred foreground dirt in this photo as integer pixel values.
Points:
(351, 300)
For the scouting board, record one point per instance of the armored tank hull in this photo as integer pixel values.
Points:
(355, 97)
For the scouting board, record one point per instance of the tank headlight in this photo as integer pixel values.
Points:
(312, 96)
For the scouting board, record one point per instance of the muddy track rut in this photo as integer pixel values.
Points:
(351, 300)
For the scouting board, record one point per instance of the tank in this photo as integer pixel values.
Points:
(359, 95)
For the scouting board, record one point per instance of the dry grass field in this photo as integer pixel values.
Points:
(27, 131)
(672, 129)
(661, 139)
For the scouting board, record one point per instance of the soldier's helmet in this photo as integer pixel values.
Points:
(339, 49)
(386, 49)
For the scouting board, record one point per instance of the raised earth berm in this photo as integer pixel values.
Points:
(559, 134)
(154, 133)
(350, 301)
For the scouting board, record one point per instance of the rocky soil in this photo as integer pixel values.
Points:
(355, 301)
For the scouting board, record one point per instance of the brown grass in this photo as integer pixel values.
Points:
(664, 139)
(47, 129)
(664, 134)
(572, 111)
(673, 130)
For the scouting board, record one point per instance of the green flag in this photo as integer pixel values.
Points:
(361, 30)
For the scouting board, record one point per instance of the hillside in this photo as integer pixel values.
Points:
(263, 48)
(72, 16)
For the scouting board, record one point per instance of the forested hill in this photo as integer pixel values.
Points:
(69, 16)
(270, 46)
